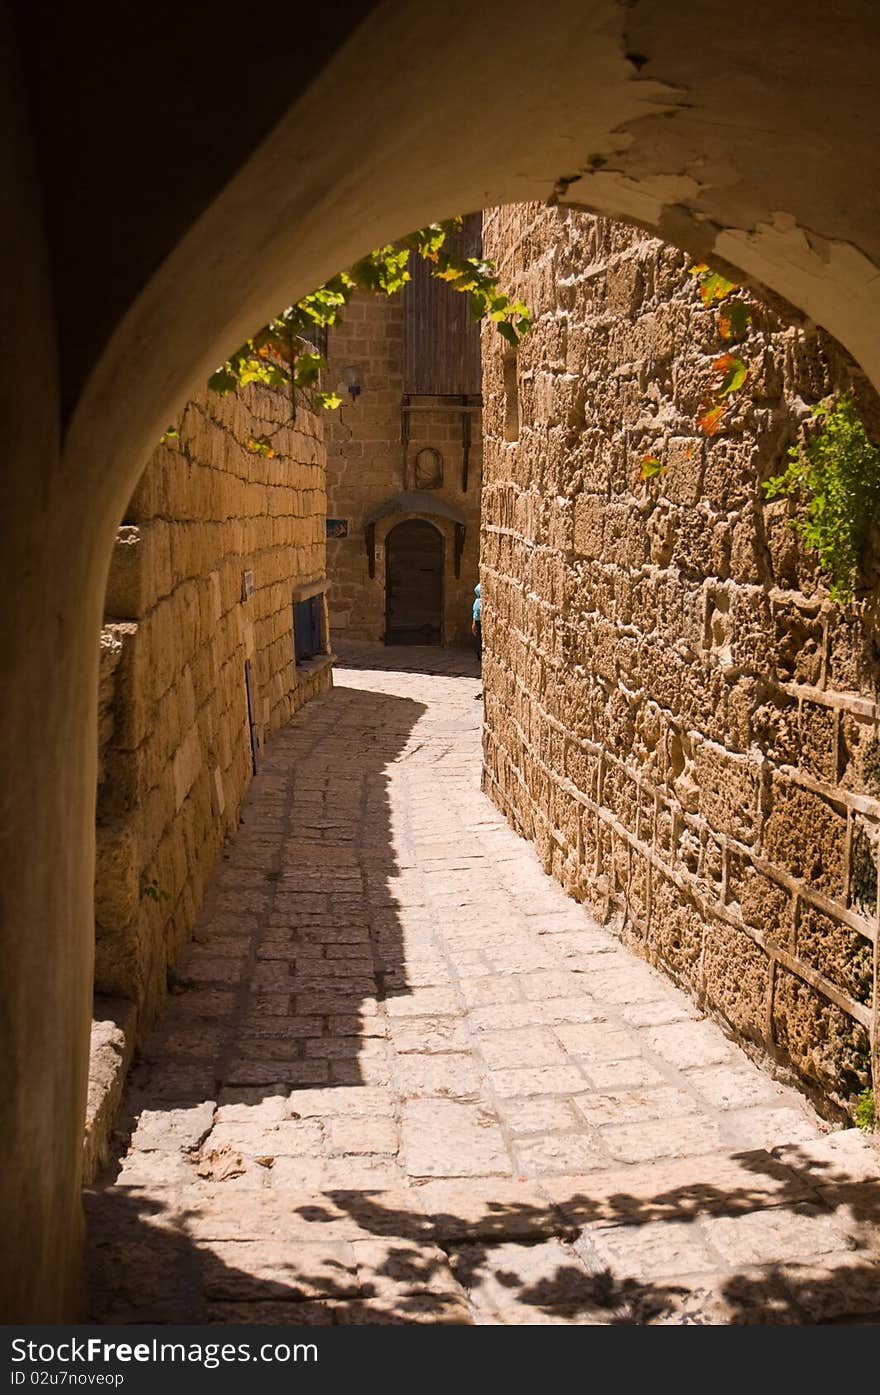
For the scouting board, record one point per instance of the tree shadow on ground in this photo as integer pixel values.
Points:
(352, 1257)
(301, 937)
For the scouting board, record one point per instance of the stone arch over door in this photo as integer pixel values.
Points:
(617, 108)
(414, 566)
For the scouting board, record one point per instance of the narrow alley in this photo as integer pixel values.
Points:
(404, 1078)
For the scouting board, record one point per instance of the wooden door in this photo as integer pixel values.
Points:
(414, 584)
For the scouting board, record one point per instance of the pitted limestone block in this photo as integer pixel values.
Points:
(737, 978)
(581, 767)
(821, 1042)
(637, 889)
(859, 754)
(664, 674)
(144, 502)
(620, 794)
(750, 624)
(675, 929)
(623, 288)
(683, 481)
(818, 741)
(730, 791)
(786, 555)
(700, 541)
(117, 868)
(839, 953)
(625, 539)
(748, 558)
(798, 644)
(864, 861)
(805, 836)
(776, 726)
(853, 644)
(761, 901)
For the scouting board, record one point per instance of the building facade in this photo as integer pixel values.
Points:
(404, 464)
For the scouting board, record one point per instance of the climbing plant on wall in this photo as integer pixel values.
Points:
(283, 355)
(835, 475)
(728, 371)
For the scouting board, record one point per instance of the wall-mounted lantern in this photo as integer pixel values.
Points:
(351, 380)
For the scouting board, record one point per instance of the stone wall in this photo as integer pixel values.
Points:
(214, 543)
(675, 711)
(366, 468)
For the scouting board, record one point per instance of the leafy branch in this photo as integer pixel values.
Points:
(835, 474)
(282, 354)
(729, 372)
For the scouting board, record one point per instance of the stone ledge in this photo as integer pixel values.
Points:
(309, 666)
(110, 1053)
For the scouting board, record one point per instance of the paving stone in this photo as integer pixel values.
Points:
(559, 1153)
(491, 989)
(360, 1100)
(353, 1137)
(761, 1127)
(686, 1044)
(532, 1278)
(628, 1106)
(424, 1002)
(496, 1209)
(736, 1087)
(781, 1232)
(181, 1130)
(245, 1269)
(442, 1138)
(454, 1076)
(530, 1046)
(598, 1042)
(540, 1114)
(429, 1034)
(688, 1135)
(655, 1250)
(538, 1080)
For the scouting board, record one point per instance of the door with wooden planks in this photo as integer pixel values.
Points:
(414, 584)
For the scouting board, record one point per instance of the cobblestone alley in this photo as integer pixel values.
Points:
(406, 1079)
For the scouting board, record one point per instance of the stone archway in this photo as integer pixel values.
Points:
(615, 108)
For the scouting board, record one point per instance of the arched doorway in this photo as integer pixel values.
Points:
(414, 583)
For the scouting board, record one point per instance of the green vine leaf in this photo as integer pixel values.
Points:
(734, 320)
(261, 445)
(709, 418)
(712, 286)
(650, 467)
(835, 477)
(730, 373)
(282, 355)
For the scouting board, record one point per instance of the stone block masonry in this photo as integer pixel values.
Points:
(676, 713)
(368, 464)
(198, 668)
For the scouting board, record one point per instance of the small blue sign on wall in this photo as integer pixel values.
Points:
(337, 527)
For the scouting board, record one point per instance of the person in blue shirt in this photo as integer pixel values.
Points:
(477, 627)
